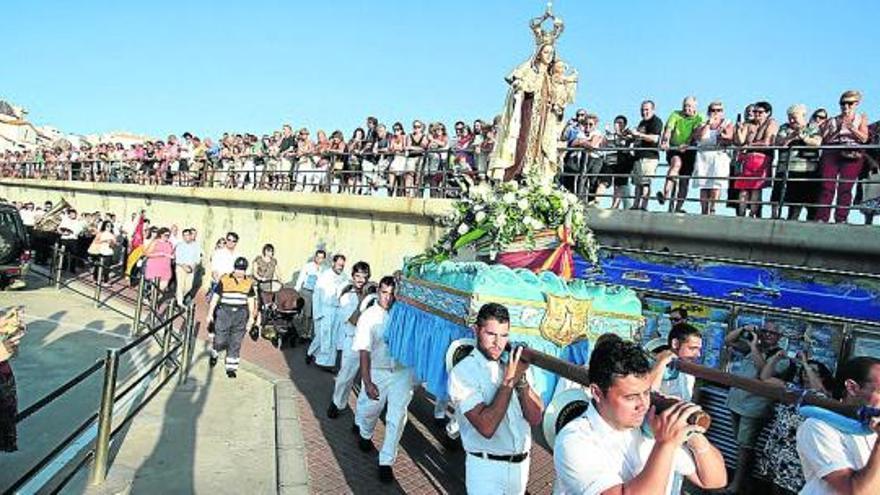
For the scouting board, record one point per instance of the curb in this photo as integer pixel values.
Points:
(290, 454)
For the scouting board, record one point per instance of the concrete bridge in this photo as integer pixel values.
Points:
(384, 231)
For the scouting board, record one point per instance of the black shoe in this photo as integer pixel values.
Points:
(212, 361)
(231, 373)
(661, 198)
(386, 475)
(309, 359)
(332, 411)
(365, 444)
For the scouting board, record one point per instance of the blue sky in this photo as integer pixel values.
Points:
(164, 67)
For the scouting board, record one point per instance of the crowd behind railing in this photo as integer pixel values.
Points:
(805, 164)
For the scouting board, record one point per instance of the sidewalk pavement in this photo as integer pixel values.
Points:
(210, 435)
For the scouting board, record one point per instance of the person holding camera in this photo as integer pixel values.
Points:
(778, 461)
(749, 412)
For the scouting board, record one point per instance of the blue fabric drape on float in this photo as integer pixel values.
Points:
(419, 340)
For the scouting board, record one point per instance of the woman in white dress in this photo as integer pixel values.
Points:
(712, 166)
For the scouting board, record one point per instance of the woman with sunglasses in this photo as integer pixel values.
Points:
(305, 162)
(841, 167)
(352, 170)
(416, 142)
(802, 165)
(756, 163)
(397, 165)
(712, 166)
(435, 160)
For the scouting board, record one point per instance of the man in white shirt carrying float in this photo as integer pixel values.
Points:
(607, 450)
(686, 343)
(835, 462)
(496, 407)
(305, 286)
(325, 305)
(385, 381)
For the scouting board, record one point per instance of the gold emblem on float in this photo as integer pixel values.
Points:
(565, 319)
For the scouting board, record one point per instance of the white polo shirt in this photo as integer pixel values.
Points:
(590, 456)
(370, 336)
(473, 381)
(223, 261)
(823, 449)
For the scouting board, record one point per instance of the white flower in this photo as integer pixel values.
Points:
(480, 216)
(523, 203)
(501, 219)
(527, 220)
(509, 198)
(463, 229)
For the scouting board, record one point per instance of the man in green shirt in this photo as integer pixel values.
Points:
(676, 138)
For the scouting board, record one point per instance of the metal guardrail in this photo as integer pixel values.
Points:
(166, 365)
(439, 173)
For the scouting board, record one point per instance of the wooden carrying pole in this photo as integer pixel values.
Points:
(580, 375)
(769, 390)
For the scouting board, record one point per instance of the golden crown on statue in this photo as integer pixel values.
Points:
(547, 36)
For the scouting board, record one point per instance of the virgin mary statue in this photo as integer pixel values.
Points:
(532, 120)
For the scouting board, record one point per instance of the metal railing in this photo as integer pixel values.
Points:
(441, 173)
(175, 358)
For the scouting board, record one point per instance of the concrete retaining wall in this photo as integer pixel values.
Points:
(379, 231)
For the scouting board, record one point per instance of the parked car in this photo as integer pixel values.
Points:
(15, 254)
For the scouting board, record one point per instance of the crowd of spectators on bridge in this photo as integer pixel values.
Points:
(712, 152)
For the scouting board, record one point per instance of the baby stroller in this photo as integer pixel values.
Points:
(279, 306)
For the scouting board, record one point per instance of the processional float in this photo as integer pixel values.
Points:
(516, 242)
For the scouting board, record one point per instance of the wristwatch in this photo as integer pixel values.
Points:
(522, 383)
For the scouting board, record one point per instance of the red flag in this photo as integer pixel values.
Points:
(137, 238)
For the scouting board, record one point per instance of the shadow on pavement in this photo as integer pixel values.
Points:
(331, 443)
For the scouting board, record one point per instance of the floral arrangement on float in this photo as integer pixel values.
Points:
(535, 224)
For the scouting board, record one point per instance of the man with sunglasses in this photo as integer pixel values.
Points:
(223, 259)
(575, 136)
